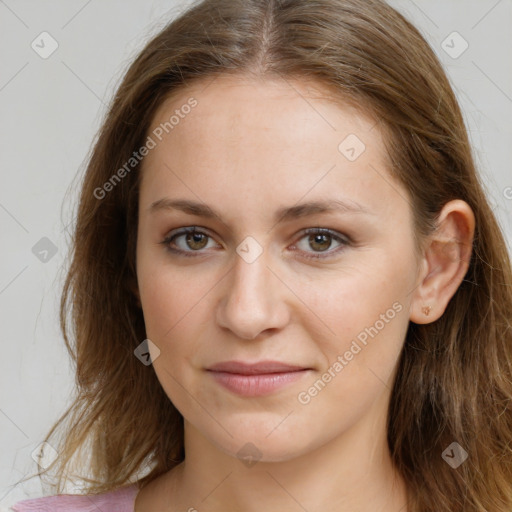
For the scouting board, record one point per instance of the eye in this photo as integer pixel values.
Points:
(320, 239)
(192, 241)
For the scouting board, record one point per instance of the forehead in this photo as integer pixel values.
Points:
(261, 142)
(238, 106)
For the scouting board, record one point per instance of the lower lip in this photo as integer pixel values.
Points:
(256, 385)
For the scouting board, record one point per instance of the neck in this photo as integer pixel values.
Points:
(352, 472)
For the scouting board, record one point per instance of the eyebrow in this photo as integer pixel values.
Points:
(282, 214)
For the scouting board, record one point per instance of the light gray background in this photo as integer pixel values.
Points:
(50, 110)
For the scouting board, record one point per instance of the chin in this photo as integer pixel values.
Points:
(257, 445)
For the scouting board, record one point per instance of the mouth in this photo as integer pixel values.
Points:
(256, 379)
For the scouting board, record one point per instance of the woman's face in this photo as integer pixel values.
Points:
(253, 285)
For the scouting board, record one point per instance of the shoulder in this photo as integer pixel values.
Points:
(119, 500)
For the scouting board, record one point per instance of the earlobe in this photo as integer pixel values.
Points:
(445, 262)
(426, 310)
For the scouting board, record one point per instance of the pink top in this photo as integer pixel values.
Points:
(120, 500)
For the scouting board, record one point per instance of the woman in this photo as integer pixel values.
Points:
(288, 288)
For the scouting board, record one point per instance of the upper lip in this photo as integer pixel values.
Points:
(261, 367)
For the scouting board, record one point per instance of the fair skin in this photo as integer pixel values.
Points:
(247, 149)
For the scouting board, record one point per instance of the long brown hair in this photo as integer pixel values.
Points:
(454, 379)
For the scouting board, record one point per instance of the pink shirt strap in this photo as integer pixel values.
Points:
(120, 500)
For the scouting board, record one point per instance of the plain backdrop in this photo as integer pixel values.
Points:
(50, 111)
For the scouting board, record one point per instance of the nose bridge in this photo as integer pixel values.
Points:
(250, 304)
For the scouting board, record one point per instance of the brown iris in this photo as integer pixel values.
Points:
(196, 238)
(321, 240)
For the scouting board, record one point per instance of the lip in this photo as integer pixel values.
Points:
(259, 368)
(256, 379)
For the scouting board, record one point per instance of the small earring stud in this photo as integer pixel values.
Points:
(426, 310)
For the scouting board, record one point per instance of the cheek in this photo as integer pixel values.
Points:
(173, 309)
(178, 316)
(358, 364)
(344, 301)
(360, 314)
(169, 302)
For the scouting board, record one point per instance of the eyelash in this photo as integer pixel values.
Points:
(344, 240)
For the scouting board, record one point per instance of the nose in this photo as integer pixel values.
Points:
(253, 300)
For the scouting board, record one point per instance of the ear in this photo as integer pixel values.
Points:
(444, 263)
